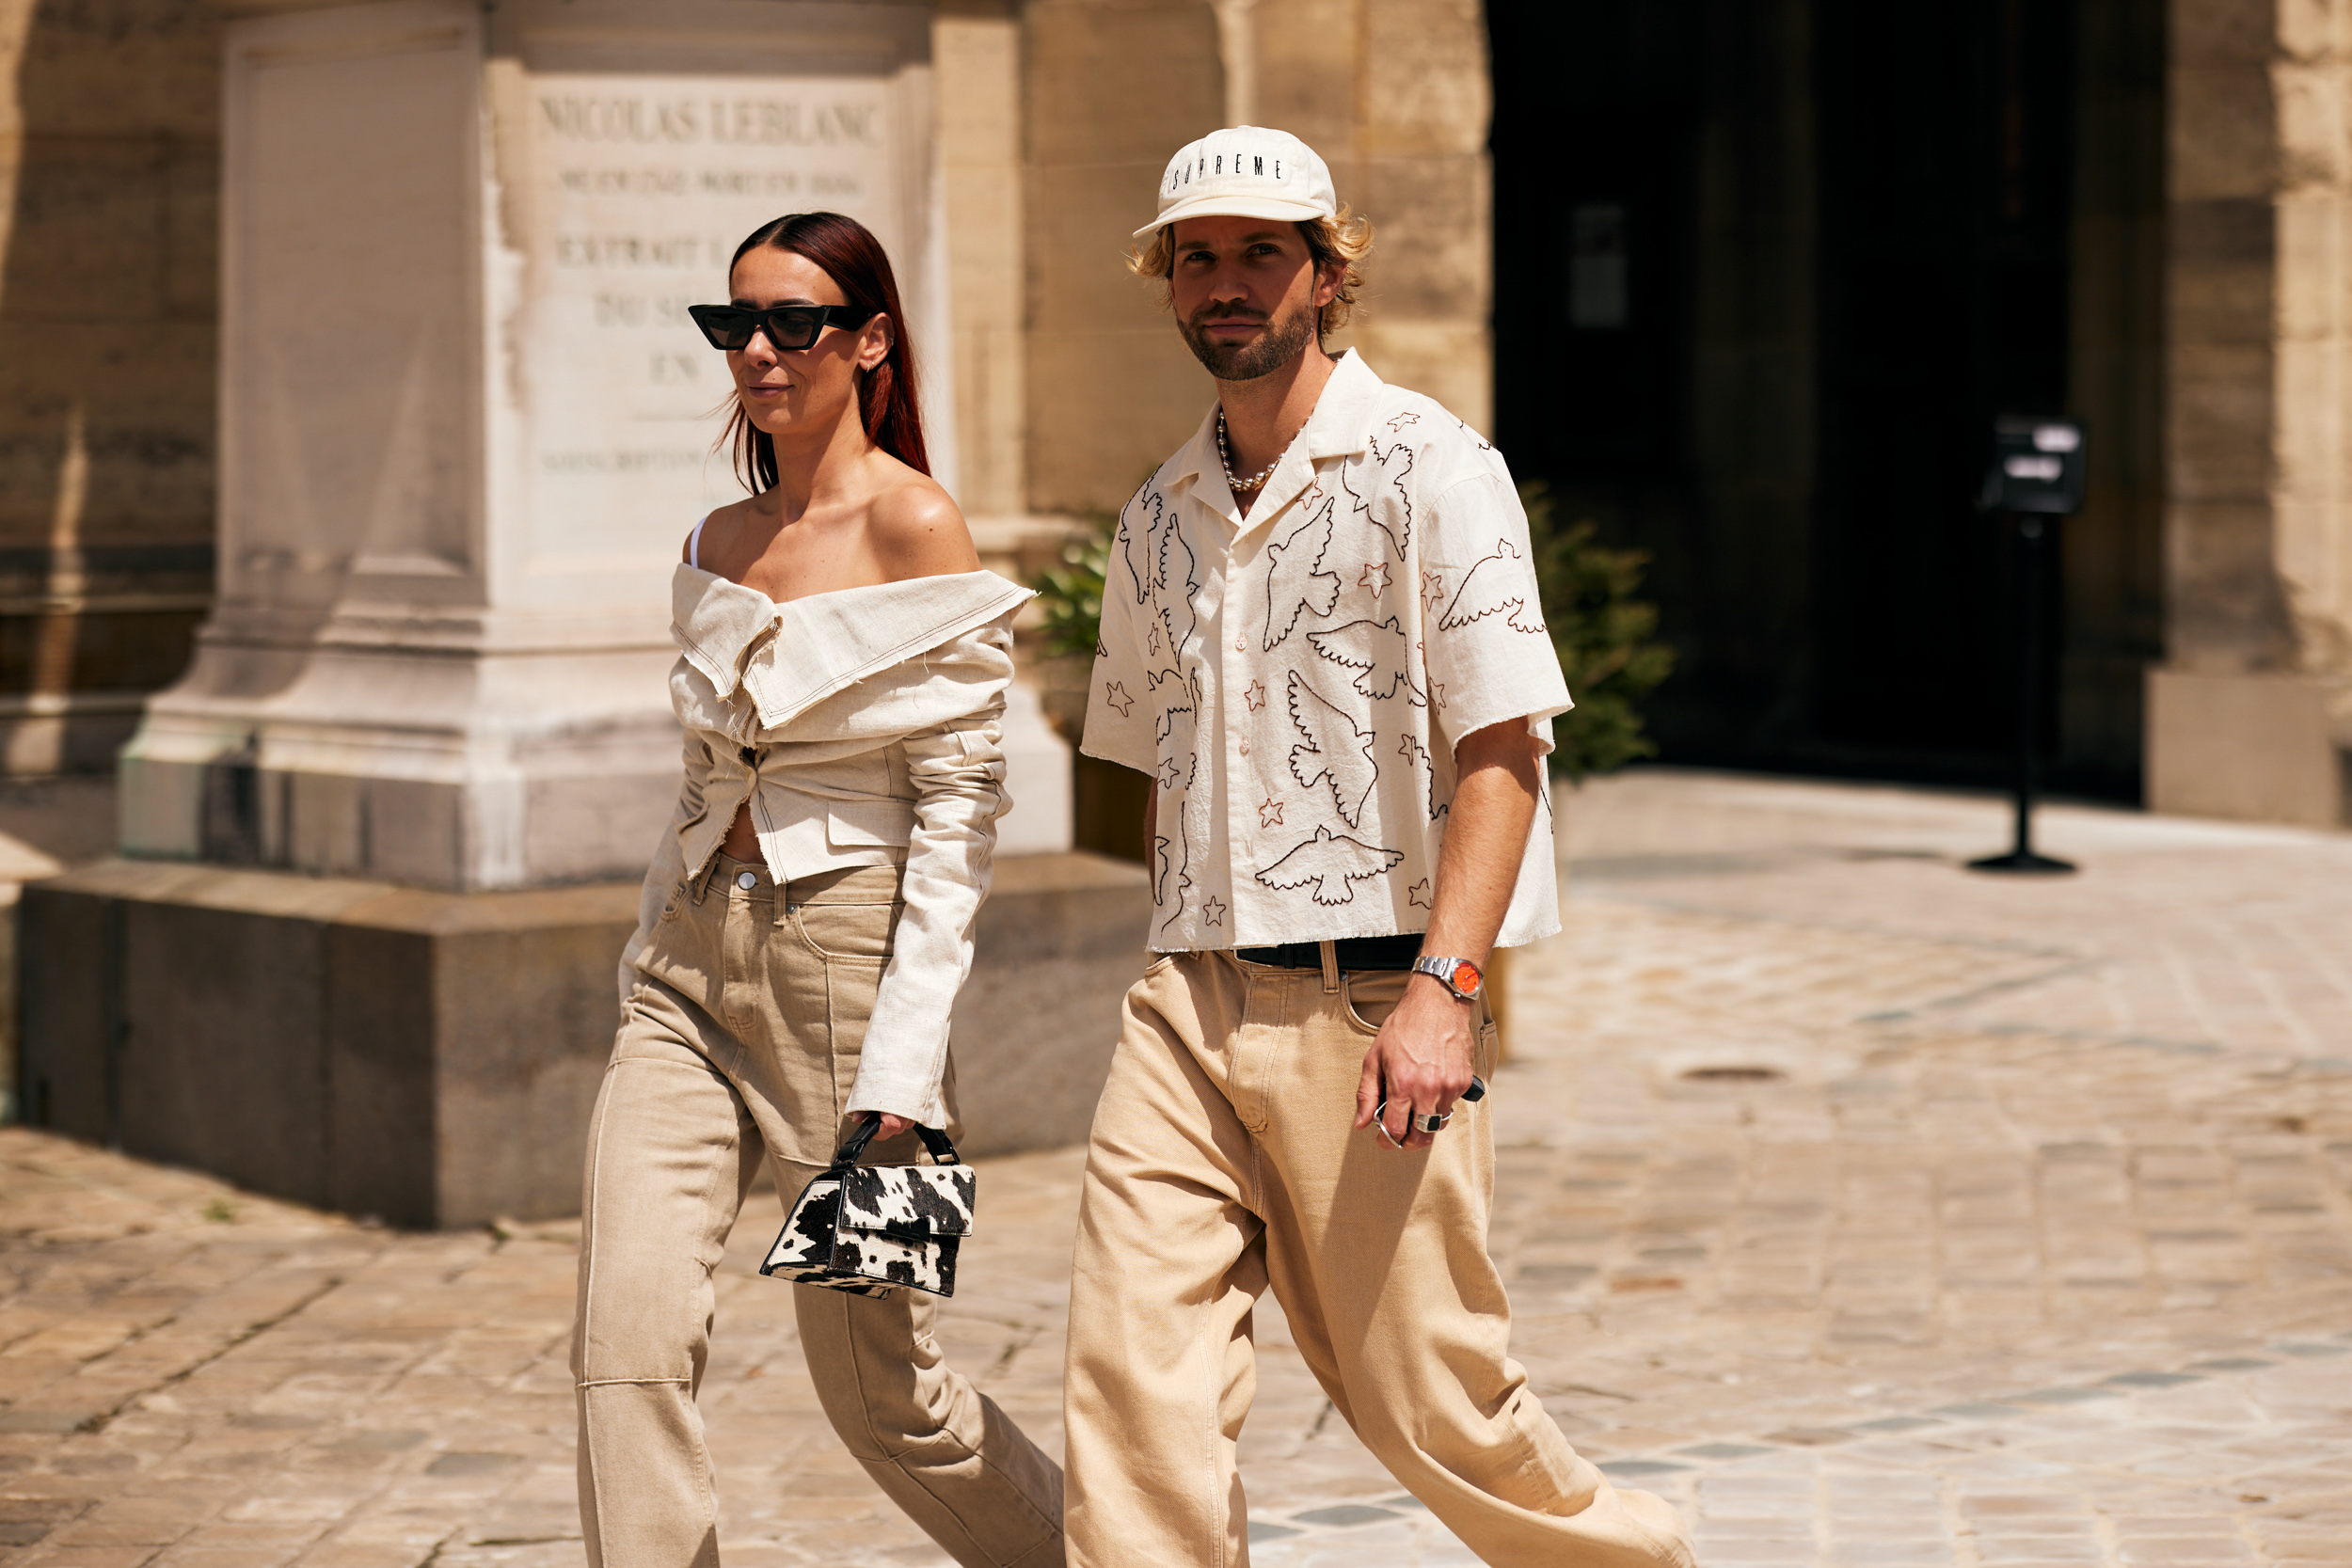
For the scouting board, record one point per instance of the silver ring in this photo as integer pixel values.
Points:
(1431, 1124)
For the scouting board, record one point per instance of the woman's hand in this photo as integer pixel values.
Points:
(891, 1126)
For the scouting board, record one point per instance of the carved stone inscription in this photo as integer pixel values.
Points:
(648, 183)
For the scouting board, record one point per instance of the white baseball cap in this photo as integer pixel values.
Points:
(1244, 171)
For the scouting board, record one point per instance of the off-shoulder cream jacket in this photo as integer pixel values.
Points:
(862, 725)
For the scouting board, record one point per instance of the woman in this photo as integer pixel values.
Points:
(806, 922)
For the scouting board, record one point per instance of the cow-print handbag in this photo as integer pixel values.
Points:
(866, 1228)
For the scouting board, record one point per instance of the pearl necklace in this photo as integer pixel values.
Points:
(1225, 461)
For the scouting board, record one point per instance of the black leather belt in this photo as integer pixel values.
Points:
(1355, 954)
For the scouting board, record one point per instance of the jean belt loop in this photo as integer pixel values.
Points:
(783, 908)
(1330, 967)
(701, 878)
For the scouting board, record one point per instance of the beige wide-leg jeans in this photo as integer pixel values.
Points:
(1223, 1160)
(741, 1042)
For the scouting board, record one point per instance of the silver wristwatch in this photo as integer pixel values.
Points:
(1458, 975)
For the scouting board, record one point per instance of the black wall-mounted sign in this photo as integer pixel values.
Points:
(2036, 467)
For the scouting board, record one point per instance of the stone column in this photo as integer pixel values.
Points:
(465, 426)
(465, 423)
(2250, 715)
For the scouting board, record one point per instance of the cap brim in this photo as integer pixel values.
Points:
(1232, 207)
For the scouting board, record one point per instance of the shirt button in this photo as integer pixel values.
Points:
(1244, 748)
(747, 880)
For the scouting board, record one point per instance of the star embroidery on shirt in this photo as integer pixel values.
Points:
(1213, 912)
(1270, 815)
(1151, 643)
(1433, 590)
(1168, 772)
(1420, 895)
(1255, 692)
(1436, 692)
(1376, 578)
(1402, 421)
(1313, 492)
(1115, 695)
(1410, 750)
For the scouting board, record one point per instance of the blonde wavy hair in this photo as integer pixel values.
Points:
(1343, 237)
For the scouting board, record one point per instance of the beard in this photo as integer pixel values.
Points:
(1284, 338)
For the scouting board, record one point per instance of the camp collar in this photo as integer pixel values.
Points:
(787, 656)
(1340, 426)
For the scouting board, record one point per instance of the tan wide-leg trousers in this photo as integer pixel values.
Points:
(1223, 1160)
(743, 1042)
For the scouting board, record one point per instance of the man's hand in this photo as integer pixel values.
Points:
(1423, 1056)
(1419, 1062)
(891, 1126)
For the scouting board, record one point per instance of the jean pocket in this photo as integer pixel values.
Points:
(1368, 999)
(856, 933)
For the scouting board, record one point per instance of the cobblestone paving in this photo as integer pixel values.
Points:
(1875, 1212)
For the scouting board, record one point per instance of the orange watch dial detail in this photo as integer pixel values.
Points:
(1467, 979)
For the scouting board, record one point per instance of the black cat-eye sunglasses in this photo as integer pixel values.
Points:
(789, 327)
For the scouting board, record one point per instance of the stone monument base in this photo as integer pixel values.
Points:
(2261, 748)
(430, 1058)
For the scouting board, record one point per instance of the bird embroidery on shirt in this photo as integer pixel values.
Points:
(1296, 579)
(1333, 864)
(1416, 756)
(1485, 593)
(1139, 550)
(1377, 650)
(1336, 751)
(1177, 616)
(1393, 465)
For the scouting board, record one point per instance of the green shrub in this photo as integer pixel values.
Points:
(1601, 633)
(1070, 594)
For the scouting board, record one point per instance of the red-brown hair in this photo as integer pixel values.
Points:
(887, 403)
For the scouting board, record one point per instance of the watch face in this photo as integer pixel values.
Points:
(1466, 979)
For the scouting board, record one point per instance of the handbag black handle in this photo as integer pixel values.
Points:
(943, 1152)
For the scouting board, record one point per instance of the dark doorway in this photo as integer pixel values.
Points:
(1765, 270)
(1945, 163)
(1653, 285)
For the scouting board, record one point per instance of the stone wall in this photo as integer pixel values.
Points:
(2252, 713)
(1393, 93)
(109, 159)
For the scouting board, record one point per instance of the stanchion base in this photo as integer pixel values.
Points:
(2025, 862)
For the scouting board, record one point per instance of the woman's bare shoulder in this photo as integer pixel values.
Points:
(716, 526)
(917, 530)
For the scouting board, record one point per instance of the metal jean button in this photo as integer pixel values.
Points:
(747, 879)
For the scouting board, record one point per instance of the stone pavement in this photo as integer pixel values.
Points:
(1875, 1212)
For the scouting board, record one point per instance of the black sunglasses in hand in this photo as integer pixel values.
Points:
(789, 327)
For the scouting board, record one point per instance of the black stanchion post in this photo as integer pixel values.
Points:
(2036, 476)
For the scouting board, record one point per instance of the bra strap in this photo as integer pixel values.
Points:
(694, 545)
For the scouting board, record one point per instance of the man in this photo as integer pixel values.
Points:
(1321, 634)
